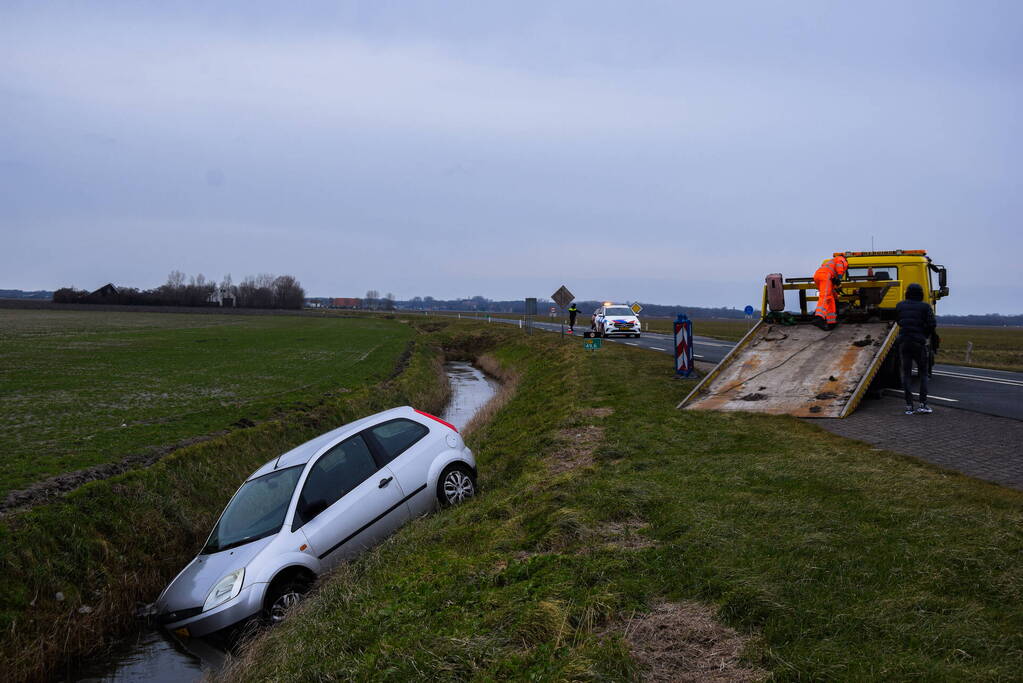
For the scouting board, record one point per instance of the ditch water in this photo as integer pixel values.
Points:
(152, 655)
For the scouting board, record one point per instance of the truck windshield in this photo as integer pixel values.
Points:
(618, 310)
(256, 511)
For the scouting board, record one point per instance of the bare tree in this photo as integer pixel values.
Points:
(288, 292)
(176, 280)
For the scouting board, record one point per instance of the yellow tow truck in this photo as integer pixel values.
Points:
(785, 365)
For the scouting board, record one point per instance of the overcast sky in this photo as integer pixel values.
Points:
(668, 152)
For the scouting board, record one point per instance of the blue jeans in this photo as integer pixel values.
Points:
(913, 351)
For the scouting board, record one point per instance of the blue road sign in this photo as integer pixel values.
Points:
(748, 310)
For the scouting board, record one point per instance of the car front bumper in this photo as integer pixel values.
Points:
(608, 331)
(248, 603)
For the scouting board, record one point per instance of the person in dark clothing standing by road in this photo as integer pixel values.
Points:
(916, 325)
(573, 312)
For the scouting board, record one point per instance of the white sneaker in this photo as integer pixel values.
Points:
(925, 409)
(909, 410)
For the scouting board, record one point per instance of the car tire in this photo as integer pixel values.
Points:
(456, 484)
(282, 598)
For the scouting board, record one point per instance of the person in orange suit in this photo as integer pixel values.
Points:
(827, 278)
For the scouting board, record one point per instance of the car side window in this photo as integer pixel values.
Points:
(337, 472)
(395, 437)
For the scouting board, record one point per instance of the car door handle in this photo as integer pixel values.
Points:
(384, 482)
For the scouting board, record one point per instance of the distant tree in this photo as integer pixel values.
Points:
(288, 292)
(69, 295)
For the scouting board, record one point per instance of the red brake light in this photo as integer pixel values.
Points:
(434, 417)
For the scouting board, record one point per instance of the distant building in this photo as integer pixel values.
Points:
(107, 291)
(342, 302)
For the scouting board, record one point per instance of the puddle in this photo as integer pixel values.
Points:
(155, 656)
(470, 390)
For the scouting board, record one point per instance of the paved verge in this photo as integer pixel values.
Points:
(981, 446)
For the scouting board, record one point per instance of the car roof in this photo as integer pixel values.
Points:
(299, 455)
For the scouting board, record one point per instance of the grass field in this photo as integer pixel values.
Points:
(999, 348)
(835, 560)
(83, 388)
(74, 569)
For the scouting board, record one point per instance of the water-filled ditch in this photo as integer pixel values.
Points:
(152, 655)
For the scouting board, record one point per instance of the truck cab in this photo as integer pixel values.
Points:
(874, 284)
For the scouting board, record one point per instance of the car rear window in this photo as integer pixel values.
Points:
(396, 436)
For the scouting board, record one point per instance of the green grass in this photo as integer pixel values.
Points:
(83, 388)
(840, 561)
(113, 544)
(730, 330)
(999, 348)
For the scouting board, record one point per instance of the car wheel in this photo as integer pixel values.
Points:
(457, 484)
(284, 597)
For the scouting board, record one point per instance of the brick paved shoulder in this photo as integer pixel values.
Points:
(981, 446)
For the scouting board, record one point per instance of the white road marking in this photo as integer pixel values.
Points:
(632, 343)
(978, 378)
(696, 355)
(898, 392)
(658, 348)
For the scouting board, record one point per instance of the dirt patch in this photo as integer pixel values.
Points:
(597, 412)
(682, 641)
(578, 444)
(624, 535)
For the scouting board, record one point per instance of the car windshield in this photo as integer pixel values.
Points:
(618, 310)
(256, 511)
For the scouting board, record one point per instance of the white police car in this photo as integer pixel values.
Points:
(612, 319)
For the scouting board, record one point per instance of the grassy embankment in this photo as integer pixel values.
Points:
(113, 544)
(85, 388)
(601, 500)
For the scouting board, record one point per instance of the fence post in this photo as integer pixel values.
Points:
(969, 351)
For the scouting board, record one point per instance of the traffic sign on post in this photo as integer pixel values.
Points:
(636, 308)
(563, 297)
(748, 310)
(683, 345)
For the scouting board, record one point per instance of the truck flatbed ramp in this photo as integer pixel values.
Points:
(796, 370)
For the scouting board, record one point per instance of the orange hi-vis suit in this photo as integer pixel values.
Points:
(827, 299)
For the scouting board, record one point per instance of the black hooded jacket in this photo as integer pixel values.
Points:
(916, 318)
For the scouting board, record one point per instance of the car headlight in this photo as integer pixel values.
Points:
(225, 589)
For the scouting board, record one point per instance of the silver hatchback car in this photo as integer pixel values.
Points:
(314, 506)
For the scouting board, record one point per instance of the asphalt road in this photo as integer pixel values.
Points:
(992, 392)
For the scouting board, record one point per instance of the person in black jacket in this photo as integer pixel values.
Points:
(573, 312)
(916, 325)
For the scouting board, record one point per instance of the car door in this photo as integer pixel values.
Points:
(407, 447)
(348, 502)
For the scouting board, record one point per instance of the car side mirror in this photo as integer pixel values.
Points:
(313, 509)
